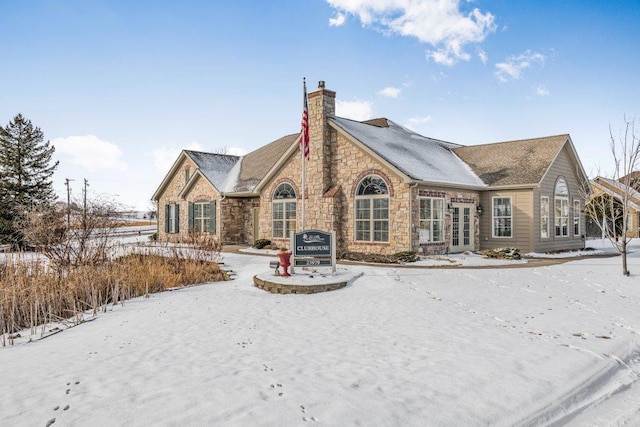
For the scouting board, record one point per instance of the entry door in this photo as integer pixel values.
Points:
(462, 228)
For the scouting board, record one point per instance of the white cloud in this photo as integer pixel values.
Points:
(416, 121)
(541, 90)
(90, 152)
(338, 20)
(390, 92)
(355, 110)
(514, 66)
(439, 23)
(483, 56)
(163, 158)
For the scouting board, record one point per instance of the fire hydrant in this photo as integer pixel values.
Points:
(285, 261)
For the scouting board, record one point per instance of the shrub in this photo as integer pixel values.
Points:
(502, 253)
(364, 257)
(405, 256)
(261, 243)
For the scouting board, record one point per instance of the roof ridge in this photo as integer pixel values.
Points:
(517, 140)
(211, 153)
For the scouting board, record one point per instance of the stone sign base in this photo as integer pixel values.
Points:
(303, 283)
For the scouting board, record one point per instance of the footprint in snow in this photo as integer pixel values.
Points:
(66, 407)
(305, 418)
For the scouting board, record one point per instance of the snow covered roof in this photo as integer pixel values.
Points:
(617, 189)
(418, 157)
(216, 168)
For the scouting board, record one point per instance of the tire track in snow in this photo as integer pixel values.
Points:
(609, 383)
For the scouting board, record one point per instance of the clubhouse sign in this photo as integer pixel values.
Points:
(313, 248)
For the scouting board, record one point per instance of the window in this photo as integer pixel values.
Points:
(544, 217)
(202, 217)
(576, 217)
(172, 218)
(284, 211)
(561, 210)
(372, 210)
(502, 217)
(186, 175)
(431, 220)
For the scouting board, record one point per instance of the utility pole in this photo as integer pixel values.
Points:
(84, 206)
(66, 183)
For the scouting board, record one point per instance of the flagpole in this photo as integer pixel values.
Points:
(303, 148)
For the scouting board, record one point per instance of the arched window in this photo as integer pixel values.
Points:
(284, 210)
(561, 208)
(372, 210)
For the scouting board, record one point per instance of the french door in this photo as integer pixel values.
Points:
(462, 227)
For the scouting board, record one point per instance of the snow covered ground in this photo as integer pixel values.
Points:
(398, 346)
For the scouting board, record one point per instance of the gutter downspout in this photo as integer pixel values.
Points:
(222, 197)
(411, 187)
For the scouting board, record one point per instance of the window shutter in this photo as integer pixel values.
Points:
(177, 217)
(166, 218)
(213, 217)
(191, 214)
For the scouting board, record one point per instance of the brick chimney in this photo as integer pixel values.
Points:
(322, 106)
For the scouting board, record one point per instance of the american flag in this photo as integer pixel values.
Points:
(304, 132)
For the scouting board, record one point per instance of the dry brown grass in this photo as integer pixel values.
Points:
(33, 295)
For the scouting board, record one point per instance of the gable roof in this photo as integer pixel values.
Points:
(634, 179)
(258, 163)
(617, 189)
(215, 168)
(513, 163)
(416, 156)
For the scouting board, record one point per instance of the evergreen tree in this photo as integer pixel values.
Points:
(25, 173)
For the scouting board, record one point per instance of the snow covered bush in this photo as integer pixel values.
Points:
(503, 253)
(261, 243)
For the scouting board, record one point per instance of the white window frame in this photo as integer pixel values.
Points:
(576, 218)
(431, 224)
(372, 213)
(172, 218)
(201, 216)
(498, 216)
(544, 217)
(283, 212)
(561, 208)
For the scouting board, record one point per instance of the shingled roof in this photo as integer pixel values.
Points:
(416, 156)
(216, 168)
(256, 164)
(512, 163)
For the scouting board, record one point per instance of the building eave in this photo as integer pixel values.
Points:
(449, 185)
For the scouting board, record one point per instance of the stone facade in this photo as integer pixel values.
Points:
(335, 167)
(171, 195)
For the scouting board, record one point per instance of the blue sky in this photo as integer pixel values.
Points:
(120, 87)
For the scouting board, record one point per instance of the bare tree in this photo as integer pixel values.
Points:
(86, 239)
(609, 202)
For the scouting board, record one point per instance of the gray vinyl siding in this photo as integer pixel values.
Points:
(565, 167)
(521, 223)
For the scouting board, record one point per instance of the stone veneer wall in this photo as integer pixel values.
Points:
(200, 191)
(334, 169)
(236, 217)
(170, 196)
